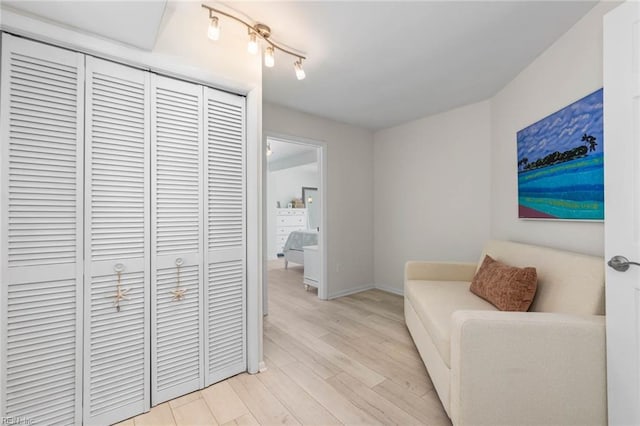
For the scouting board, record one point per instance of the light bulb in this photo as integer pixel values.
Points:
(252, 47)
(214, 29)
(269, 58)
(299, 71)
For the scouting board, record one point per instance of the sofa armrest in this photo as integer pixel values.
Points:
(527, 368)
(439, 271)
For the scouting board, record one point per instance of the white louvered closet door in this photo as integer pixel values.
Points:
(41, 232)
(225, 235)
(117, 262)
(177, 182)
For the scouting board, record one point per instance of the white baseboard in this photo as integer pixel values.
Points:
(349, 291)
(388, 289)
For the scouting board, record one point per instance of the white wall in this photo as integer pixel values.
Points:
(283, 186)
(432, 191)
(569, 70)
(445, 184)
(349, 192)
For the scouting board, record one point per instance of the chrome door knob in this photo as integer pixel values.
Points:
(621, 263)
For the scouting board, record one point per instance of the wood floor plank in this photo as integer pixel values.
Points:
(289, 322)
(375, 308)
(381, 297)
(370, 402)
(128, 422)
(416, 381)
(427, 409)
(326, 395)
(194, 413)
(395, 330)
(306, 409)
(246, 420)
(310, 358)
(184, 399)
(346, 363)
(362, 317)
(333, 322)
(223, 402)
(160, 415)
(275, 353)
(264, 406)
(403, 353)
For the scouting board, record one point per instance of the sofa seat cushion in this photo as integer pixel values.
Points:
(435, 302)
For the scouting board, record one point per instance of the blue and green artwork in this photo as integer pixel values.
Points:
(560, 164)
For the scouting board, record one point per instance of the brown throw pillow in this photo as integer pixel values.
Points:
(506, 287)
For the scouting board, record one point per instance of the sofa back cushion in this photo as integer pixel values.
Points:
(568, 282)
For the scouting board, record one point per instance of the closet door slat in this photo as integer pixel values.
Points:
(41, 181)
(177, 252)
(225, 235)
(117, 222)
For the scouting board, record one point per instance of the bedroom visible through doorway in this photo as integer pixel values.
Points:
(294, 213)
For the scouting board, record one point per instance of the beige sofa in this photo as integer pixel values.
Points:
(542, 367)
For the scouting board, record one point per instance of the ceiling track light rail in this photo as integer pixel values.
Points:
(255, 30)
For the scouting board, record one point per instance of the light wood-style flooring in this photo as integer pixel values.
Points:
(345, 361)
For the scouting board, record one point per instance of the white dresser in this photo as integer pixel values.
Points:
(311, 267)
(287, 221)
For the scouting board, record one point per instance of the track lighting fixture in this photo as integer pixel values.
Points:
(214, 29)
(269, 59)
(300, 74)
(256, 31)
(252, 47)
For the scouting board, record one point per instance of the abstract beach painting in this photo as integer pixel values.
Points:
(560, 164)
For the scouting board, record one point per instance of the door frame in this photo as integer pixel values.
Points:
(323, 284)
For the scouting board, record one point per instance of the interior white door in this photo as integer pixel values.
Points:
(41, 180)
(117, 262)
(225, 235)
(622, 225)
(177, 239)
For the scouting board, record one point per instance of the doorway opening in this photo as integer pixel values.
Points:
(295, 214)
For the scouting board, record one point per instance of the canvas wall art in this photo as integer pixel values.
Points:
(560, 164)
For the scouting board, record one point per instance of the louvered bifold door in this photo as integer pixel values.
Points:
(117, 226)
(225, 235)
(41, 155)
(177, 182)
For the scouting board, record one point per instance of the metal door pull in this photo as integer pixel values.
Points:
(621, 263)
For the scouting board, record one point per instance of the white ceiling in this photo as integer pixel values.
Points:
(372, 64)
(378, 64)
(282, 150)
(134, 22)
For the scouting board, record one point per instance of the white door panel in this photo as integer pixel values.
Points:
(41, 181)
(225, 235)
(622, 203)
(117, 342)
(177, 311)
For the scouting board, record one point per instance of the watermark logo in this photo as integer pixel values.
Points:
(14, 420)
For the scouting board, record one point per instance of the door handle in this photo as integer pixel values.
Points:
(621, 263)
(178, 293)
